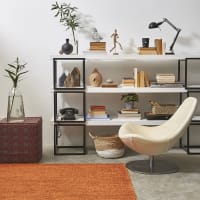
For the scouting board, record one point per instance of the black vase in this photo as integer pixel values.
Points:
(67, 48)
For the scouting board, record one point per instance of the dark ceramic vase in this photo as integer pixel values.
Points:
(67, 48)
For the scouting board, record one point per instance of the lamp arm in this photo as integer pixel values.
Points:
(172, 25)
(175, 38)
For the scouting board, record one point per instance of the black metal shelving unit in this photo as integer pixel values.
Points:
(191, 89)
(59, 123)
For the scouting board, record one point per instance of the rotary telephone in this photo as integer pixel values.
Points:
(68, 113)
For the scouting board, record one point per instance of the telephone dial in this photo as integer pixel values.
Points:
(68, 113)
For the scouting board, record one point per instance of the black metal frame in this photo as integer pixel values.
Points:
(57, 123)
(57, 146)
(188, 146)
(55, 74)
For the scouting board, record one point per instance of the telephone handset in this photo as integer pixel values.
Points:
(68, 113)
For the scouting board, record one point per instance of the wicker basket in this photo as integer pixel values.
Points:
(108, 146)
(164, 109)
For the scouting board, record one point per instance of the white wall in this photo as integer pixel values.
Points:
(29, 30)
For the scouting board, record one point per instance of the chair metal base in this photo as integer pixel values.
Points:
(146, 167)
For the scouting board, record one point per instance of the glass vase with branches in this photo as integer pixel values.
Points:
(15, 110)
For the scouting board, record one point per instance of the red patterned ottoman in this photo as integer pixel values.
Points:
(21, 141)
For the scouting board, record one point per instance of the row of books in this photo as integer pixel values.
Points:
(141, 78)
(98, 112)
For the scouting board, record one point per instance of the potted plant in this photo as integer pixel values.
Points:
(15, 110)
(68, 17)
(129, 100)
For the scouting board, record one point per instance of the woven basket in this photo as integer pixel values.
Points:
(164, 109)
(108, 146)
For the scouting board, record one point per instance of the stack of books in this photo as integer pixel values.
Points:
(127, 81)
(165, 78)
(141, 78)
(97, 112)
(129, 114)
(97, 46)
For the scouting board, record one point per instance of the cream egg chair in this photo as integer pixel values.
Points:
(156, 140)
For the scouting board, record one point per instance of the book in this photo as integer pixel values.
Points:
(135, 76)
(141, 74)
(166, 85)
(97, 45)
(165, 78)
(146, 79)
(134, 110)
(138, 115)
(107, 117)
(147, 51)
(97, 108)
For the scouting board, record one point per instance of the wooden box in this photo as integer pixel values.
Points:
(21, 142)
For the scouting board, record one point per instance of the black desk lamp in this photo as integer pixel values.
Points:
(156, 25)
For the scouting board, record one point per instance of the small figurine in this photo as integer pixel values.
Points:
(115, 36)
(96, 36)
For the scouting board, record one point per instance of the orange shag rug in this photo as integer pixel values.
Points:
(65, 182)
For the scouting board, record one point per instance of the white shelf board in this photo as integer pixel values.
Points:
(196, 118)
(193, 86)
(90, 89)
(119, 122)
(122, 57)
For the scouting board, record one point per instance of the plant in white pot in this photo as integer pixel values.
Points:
(129, 100)
(68, 17)
(15, 110)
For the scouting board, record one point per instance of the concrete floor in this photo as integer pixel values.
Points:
(183, 185)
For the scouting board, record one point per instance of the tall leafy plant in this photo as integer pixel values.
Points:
(15, 71)
(68, 16)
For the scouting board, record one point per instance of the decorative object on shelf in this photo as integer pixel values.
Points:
(159, 47)
(129, 100)
(108, 146)
(109, 80)
(68, 113)
(157, 25)
(151, 116)
(96, 37)
(165, 78)
(168, 109)
(73, 78)
(15, 110)
(66, 48)
(69, 18)
(109, 83)
(115, 36)
(95, 78)
(145, 42)
(62, 79)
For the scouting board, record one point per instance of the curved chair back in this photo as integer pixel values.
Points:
(180, 120)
